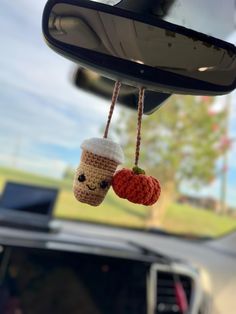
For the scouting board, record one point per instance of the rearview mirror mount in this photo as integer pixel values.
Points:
(98, 85)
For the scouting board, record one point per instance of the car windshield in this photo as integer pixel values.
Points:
(188, 144)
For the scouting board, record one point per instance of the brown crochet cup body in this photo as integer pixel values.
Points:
(93, 178)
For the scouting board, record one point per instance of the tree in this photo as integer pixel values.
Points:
(181, 143)
(69, 173)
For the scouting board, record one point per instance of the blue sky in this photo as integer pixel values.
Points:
(43, 118)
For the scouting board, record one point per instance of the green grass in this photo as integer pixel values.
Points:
(112, 211)
(197, 221)
(178, 218)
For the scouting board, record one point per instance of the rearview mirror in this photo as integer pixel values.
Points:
(139, 50)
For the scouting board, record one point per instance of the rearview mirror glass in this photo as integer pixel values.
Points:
(140, 50)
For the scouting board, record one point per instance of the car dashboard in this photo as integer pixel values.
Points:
(45, 281)
(61, 273)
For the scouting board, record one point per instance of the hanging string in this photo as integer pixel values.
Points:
(113, 103)
(139, 125)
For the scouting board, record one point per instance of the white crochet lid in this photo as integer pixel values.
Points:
(104, 147)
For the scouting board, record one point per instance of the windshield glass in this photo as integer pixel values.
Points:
(188, 144)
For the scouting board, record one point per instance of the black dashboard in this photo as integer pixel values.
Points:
(44, 281)
(47, 273)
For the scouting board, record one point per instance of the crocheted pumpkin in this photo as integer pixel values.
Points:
(136, 187)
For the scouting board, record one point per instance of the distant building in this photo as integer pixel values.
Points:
(208, 203)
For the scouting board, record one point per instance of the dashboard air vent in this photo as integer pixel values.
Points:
(167, 302)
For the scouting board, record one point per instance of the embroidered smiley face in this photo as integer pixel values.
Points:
(91, 184)
(103, 184)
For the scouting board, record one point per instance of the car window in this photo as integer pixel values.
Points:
(188, 144)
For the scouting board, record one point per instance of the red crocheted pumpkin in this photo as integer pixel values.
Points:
(136, 187)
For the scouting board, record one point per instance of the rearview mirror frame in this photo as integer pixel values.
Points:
(130, 72)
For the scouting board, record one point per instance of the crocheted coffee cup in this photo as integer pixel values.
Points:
(93, 178)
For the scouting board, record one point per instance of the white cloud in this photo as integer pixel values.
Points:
(39, 107)
(35, 164)
(48, 122)
(28, 63)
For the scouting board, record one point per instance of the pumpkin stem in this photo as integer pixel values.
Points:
(138, 170)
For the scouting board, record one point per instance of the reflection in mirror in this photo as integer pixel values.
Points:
(142, 43)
